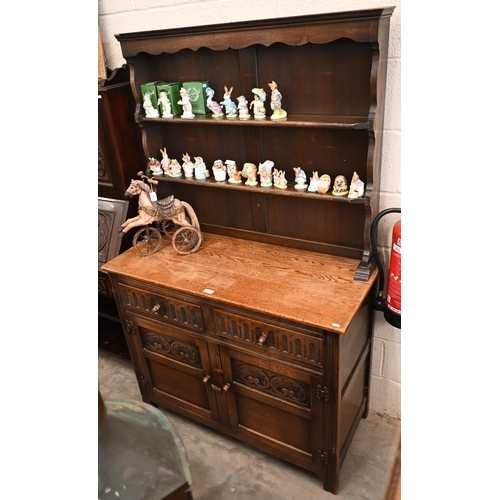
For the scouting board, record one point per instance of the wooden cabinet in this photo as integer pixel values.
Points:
(277, 356)
(265, 332)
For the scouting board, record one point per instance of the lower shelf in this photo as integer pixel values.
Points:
(112, 338)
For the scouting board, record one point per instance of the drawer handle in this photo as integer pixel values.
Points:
(225, 388)
(206, 379)
(155, 309)
(262, 339)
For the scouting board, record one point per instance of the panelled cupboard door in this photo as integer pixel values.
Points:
(275, 405)
(175, 369)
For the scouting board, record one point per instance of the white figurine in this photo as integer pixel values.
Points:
(219, 170)
(243, 108)
(149, 109)
(265, 171)
(357, 188)
(165, 161)
(187, 165)
(165, 105)
(300, 178)
(313, 184)
(187, 107)
(259, 98)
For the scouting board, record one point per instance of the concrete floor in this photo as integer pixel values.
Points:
(225, 469)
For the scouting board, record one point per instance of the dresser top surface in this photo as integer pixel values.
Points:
(309, 288)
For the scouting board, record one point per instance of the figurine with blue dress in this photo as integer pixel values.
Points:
(200, 169)
(300, 178)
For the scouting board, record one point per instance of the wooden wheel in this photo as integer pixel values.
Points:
(168, 228)
(186, 240)
(147, 240)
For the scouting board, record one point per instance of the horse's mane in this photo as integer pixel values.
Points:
(143, 186)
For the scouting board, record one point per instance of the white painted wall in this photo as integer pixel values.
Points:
(122, 16)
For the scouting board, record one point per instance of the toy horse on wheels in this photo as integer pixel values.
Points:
(176, 219)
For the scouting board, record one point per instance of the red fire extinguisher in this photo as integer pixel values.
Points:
(391, 305)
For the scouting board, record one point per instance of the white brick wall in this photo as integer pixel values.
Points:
(122, 16)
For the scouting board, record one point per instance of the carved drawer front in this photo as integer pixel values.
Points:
(273, 339)
(182, 351)
(270, 383)
(168, 309)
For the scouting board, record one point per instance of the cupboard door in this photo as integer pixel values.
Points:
(174, 370)
(274, 407)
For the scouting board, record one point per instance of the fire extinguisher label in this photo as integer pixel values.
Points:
(393, 300)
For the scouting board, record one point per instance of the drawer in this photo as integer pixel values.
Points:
(267, 338)
(162, 306)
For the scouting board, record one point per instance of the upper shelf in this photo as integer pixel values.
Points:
(360, 26)
(339, 122)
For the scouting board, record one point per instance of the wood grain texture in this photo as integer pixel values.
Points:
(310, 288)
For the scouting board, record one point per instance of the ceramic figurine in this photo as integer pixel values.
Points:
(165, 161)
(229, 105)
(279, 179)
(243, 108)
(265, 173)
(174, 169)
(300, 178)
(187, 108)
(213, 106)
(340, 186)
(259, 98)
(187, 165)
(324, 184)
(219, 170)
(233, 174)
(200, 169)
(278, 113)
(165, 105)
(149, 109)
(313, 184)
(151, 166)
(357, 188)
(250, 172)
(265, 170)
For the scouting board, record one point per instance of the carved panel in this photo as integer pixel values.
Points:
(280, 340)
(171, 348)
(103, 287)
(174, 311)
(271, 383)
(111, 214)
(102, 172)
